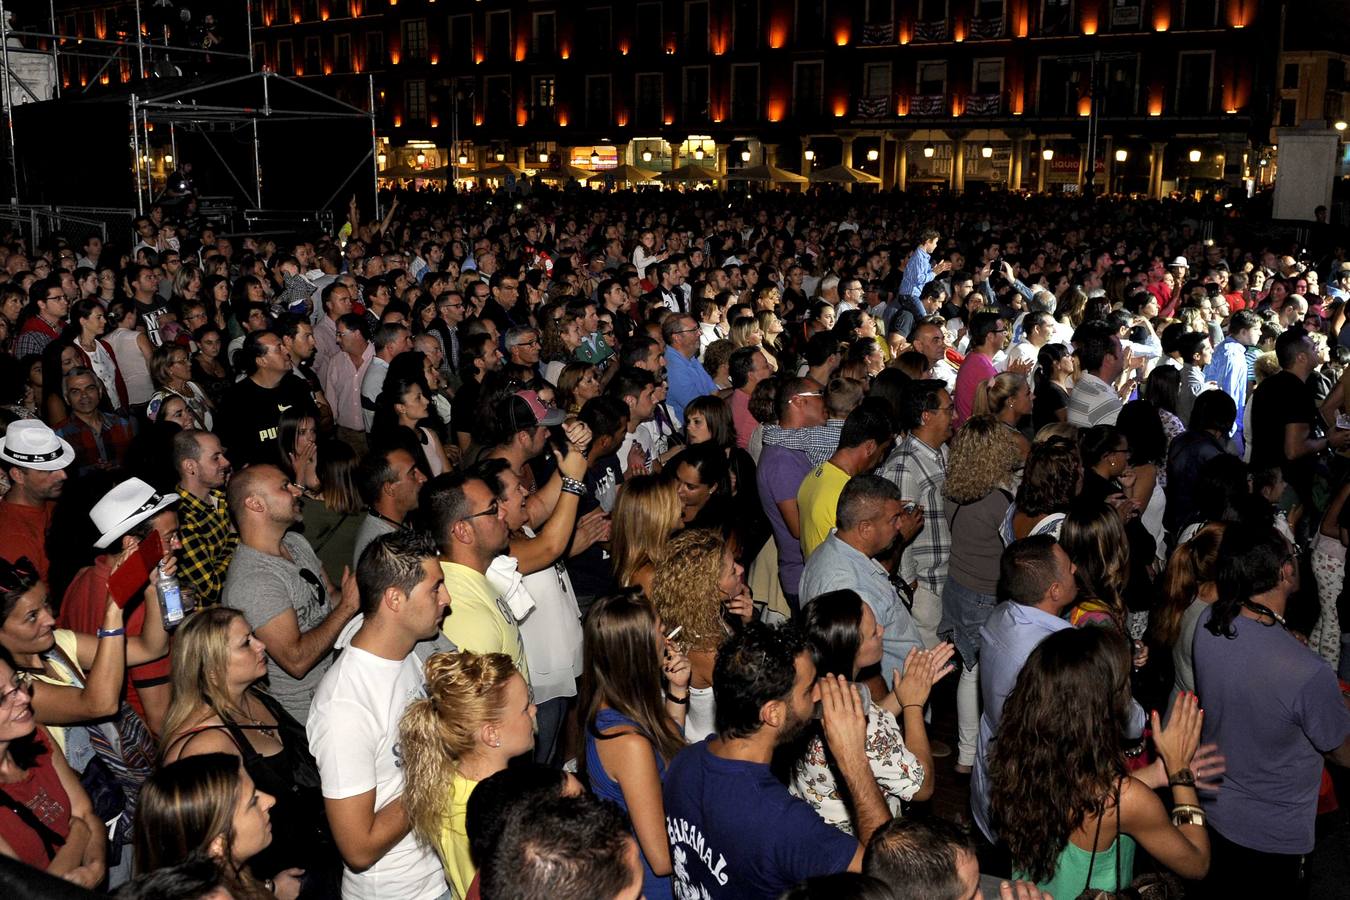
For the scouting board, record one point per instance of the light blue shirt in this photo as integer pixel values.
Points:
(1007, 638)
(918, 272)
(837, 566)
(686, 380)
(1228, 369)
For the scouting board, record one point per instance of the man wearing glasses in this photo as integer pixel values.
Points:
(43, 328)
(987, 333)
(687, 377)
(471, 528)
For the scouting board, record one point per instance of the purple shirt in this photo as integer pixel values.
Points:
(780, 473)
(1273, 707)
(976, 370)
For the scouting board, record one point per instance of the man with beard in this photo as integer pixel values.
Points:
(719, 793)
(872, 518)
(204, 526)
(278, 583)
(34, 459)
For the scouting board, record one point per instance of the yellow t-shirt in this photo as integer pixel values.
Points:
(817, 501)
(479, 620)
(453, 846)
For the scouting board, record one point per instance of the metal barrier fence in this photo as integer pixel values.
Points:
(38, 224)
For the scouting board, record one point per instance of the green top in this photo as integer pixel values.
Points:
(332, 535)
(1071, 869)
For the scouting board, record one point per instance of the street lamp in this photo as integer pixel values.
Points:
(595, 158)
(873, 155)
(1048, 154)
(1122, 154)
(1340, 125)
(464, 159)
(698, 154)
(168, 159)
(745, 156)
(987, 151)
(421, 158)
(543, 156)
(646, 156)
(809, 155)
(928, 150)
(1194, 156)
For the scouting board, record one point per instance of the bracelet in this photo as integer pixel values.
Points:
(1186, 814)
(270, 885)
(572, 486)
(1182, 778)
(111, 632)
(682, 701)
(908, 705)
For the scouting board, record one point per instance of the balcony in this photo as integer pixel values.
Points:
(984, 104)
(986, 28)
(930, 32)
(880, 34)
(875, 107)
(928, 105)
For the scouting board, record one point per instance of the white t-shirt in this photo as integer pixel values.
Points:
(353, 734)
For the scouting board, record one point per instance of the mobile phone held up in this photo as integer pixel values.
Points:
(126, 582)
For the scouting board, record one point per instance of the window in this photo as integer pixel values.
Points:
(808, 88)
(932, 10)
(1056, 16)
(696, 95)
(498, 103)
(313, 57)
(286, 57)
(1195, 83)
(1059, 86)
(415, 100)
(647, 36)
(987, 77)
(1335, 75)
(597, 37)
(1288, 113)
(342, 53)
(260, 54)
(1290, 82)
(810, 24)
(880, 12)
(311, 8)
(1126, 15)
(1122, 88)
(696, 28)
(461, 38)
(541, 99)
(499, 35)
(545, 33)
(415, 40)
(650, 100)
(462, 99)
(283, 12)
(745, 93)
(877, 81)
(374, 50)
(745, 24)
(597, 101)
(932, 79)
(1200, 14)
(989, 9)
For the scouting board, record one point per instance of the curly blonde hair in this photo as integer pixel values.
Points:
(684, 588)
(464, 692)
(984, 456)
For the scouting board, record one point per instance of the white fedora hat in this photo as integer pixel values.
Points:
(1180, 263)
(126, 506)
(32, 445)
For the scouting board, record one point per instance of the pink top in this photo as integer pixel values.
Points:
(976, 370)
(740, 417)
(342, 387)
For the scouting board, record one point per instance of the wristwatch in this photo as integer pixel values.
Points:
(1188, 815)
(1182, 778)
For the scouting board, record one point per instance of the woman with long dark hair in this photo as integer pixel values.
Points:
(1050, 481)
(401, 411)
(1189, 585)
(1061, 798)
(1053, 384)
(633, 701)
(846, 638)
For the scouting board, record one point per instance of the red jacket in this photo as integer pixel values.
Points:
(123, 399)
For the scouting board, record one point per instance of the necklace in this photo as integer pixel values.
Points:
(262, 727)
(1263, 610)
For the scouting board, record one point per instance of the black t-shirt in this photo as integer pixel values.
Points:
(464, 408)
(149, 316)
(1046, 404)
(592, 571)
(1280, 400)
(248, 421)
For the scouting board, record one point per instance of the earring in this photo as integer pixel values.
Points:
(496, 744)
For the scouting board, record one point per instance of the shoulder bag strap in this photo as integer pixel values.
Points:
(51, 841)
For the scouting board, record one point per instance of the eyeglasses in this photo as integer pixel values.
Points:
(532, 342)
(23, 682)
(807, 394)
(492, 511)
(683, 331)
(947, 409)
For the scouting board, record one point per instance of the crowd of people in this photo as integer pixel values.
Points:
(569, 544)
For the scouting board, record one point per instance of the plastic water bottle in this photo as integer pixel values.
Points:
(170, 598)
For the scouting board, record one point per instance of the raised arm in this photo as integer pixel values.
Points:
(297, 652)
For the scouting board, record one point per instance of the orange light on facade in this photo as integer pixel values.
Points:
(841, 35)
(718, 40)
(778, 33)
(565, 51)
(521, 48)
(478, 57)
(1155, 105)
(1023, 25)
(267, 18)
(435, 121)
(522, 116)
(1237, 14)
(621, 119)
(394, 56)
(478, 119)
(435, 59)
(295, 17)
(323, 15)
(958, 106)
(776, 109)
(328, 68)
(902, 106)
(959, 31)
(100, 25)
(105, 79)
(562, 118)
(669, 120)
(905, 33)
(398, 121)
(356, 9)
(840, 107)
(1162, 17)
(623, 46)
(1085, 106)
(1089, 24)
